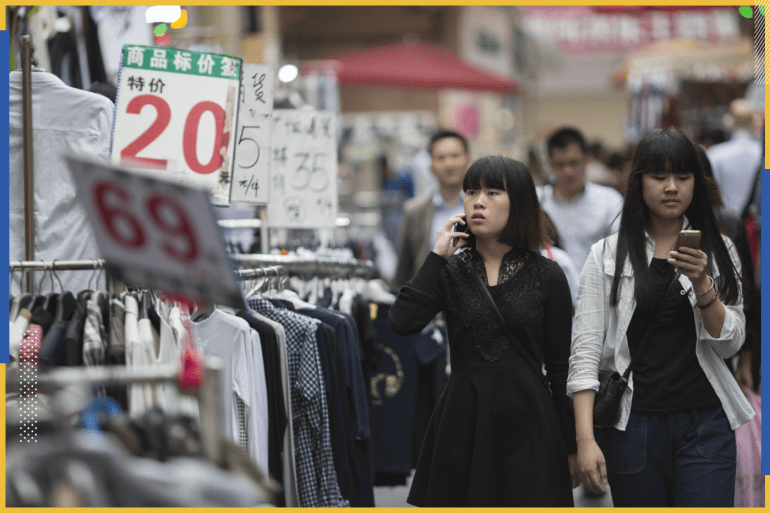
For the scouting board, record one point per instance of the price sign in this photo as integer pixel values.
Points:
(303, 182)
(156, 233)
(251, 173)
(176, 112)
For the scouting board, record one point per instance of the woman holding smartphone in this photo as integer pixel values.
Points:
(673, 444)
(498, 436)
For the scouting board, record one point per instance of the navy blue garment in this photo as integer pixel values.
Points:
(324, 335)
(685, 459)
(52, 348)
(354, 378)
(355, 411)
(393, 388)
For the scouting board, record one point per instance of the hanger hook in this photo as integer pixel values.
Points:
(42, 278)
(92, 276)
(53, 271)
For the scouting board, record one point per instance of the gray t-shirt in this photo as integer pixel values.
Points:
(584, 220)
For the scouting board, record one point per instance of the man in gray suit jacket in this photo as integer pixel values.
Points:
(423, 216)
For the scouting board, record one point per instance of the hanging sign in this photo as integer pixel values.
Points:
(303, 184)
(251, 173)
(176, 113)
(156, 233)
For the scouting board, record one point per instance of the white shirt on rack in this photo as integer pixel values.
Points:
(64, 119)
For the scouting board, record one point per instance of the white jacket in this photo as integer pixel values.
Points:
(599, 337)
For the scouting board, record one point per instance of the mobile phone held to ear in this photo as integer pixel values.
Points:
(689, 239)
(458, 228)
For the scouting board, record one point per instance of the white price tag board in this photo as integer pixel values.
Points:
(156, 233)
(251, 174)
(303, 167)
(176, 112)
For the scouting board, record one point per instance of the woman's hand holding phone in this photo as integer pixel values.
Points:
(446, 235)
(691, 261)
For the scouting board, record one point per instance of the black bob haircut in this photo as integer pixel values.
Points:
(527, 227)
(565, 136)
(446, 134)
(669, 151)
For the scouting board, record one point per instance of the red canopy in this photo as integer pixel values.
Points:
(411, 64)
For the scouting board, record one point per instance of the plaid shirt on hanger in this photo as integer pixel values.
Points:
(316, 477)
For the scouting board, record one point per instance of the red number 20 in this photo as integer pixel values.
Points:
(189, 138)
(114, 203)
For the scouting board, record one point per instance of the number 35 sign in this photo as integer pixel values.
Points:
(155, 233)
(176, 112)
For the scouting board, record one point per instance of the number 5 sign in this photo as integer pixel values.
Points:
(155, 233)
(176, 112)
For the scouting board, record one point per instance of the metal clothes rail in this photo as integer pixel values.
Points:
(317, 265)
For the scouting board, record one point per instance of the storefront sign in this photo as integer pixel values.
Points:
(580, 30)
(156, 233)
(176, 113)
(251, 174)
(303, 188)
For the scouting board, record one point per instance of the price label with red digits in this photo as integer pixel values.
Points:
(176, 113)
(303, 168)
(156, 233)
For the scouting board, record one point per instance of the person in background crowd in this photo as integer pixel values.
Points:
(619, 165)
(497, 436)
(735, 161)
(424, 215)
(535, 167)
(673, 444)
(596, 170)
(581, 211)
(711, 136)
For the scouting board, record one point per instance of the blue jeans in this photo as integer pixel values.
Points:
(681, 459)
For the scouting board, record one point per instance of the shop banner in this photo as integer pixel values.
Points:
(176, 113)
(156, 233)
(583, 30)
(303, 188)
(251, 174)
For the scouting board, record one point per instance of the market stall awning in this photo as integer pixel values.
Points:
(411, 64)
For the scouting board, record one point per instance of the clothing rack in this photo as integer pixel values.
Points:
(316, 265)
(208, 393)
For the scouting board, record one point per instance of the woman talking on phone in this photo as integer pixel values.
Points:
(670, 312)
(497, 436)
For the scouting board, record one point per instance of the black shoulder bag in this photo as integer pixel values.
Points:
(501, 322)
(612, 385)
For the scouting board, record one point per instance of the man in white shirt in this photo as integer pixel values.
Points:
(735, 162)
(582, 212)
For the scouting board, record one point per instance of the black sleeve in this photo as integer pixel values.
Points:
(420, 299)
(557, 334)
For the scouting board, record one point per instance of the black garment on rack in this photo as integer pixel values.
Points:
(42, 317)
(73, 337)
(277, 419)
(327, 347)
(93, 48)
(65, 62)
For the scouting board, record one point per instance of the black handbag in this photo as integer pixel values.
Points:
(501, 322)
(612, 385)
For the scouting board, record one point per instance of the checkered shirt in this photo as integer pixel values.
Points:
(317, 479)
(94, 335)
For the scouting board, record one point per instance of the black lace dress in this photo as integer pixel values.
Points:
(497, 437)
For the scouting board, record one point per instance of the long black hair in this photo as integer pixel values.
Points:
(527, 227)
(670, 151)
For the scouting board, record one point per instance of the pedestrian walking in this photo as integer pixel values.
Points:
(673, 313)
(501, 434)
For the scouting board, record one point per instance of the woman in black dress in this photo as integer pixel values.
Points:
(497, 437)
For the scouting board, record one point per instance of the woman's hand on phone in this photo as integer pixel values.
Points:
(691, 263)
(445, 235)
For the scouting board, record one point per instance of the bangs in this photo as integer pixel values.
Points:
(664, 153)
(483, 173)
